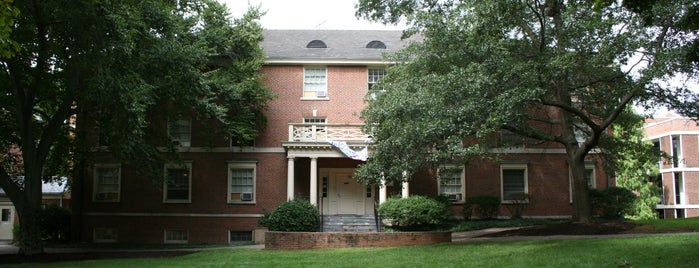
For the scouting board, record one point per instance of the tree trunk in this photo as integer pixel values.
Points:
(29, 239)
(582, 209)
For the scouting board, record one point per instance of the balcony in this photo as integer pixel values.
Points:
(327, 132)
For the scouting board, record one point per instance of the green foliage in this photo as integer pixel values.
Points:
(612, 202)
(414, 213)
(7, 20)
(296, 215)
(551, 71)
(635, 164)
(55, 223)
(486, 206)
(123, 67)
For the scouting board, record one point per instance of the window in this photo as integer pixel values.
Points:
(514, 182)
(176, 236)
(316, 44)
(107, 183)
(325, 187)
(676, 151)
(241, 182)
(6, 215)
(177, 185)
(656, 146)
(240, 236)
(180, 131)
(451, 182)
(315, 84)
(376, 44)
(374, 75)
(679, 188)
(105, 235)
(590, 177)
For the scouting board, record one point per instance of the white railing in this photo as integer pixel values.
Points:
(327, 132)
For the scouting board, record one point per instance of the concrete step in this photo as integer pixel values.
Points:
(349, 223)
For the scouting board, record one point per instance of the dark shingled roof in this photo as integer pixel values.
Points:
(341, 44)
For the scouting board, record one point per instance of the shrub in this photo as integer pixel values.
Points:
(296, 215)
(612, 202)
(517, 203)
(55, 223)
(487, 206)
(414, 213)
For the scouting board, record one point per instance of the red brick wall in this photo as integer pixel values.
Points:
(304, 240)
(151, 229)
(347, 87)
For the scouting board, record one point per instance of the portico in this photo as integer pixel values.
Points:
(329, 174)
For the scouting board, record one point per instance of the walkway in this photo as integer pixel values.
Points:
(459, 237)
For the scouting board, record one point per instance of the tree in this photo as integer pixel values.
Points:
(120, 66)
(635, 165)
(556, 72)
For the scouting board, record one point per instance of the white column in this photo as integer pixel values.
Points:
(314, 180)
(290, 179)
(404, 186)
(382, 192)
(405, 192)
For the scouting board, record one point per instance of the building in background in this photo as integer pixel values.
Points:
(678, 138)
(323, 79)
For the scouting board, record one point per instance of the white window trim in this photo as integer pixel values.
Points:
(181, 143)
(682, 193)
(243, 165)
(368, 74)
(303, 93)
(462, 191)
(166, 241)
(502, 182)
(188, 165)
(95, 180)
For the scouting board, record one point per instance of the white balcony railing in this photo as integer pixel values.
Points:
(327, 132)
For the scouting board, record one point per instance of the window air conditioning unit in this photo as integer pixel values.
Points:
(454, 197)
(321, 94)
(246, 197)
(102, 196)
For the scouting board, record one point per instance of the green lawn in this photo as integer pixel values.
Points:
(652, 251)
(655, 251)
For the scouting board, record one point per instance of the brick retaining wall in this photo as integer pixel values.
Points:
(308, 240)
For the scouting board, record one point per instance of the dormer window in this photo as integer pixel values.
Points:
(316, 44)
(376, 44)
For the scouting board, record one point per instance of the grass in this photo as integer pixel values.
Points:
(656, 251)
(668, 225)
(653, 251)
(139, 246)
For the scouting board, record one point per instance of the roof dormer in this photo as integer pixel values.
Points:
(316, 44)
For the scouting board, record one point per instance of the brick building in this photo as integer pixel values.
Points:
(678, 138)
(322, 80)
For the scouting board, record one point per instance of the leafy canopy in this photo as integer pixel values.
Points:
(120, 67)
(556, 73)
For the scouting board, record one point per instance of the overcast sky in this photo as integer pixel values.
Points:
(307, 14)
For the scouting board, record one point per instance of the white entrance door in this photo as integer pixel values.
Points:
(7, 214)
(349, 195)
